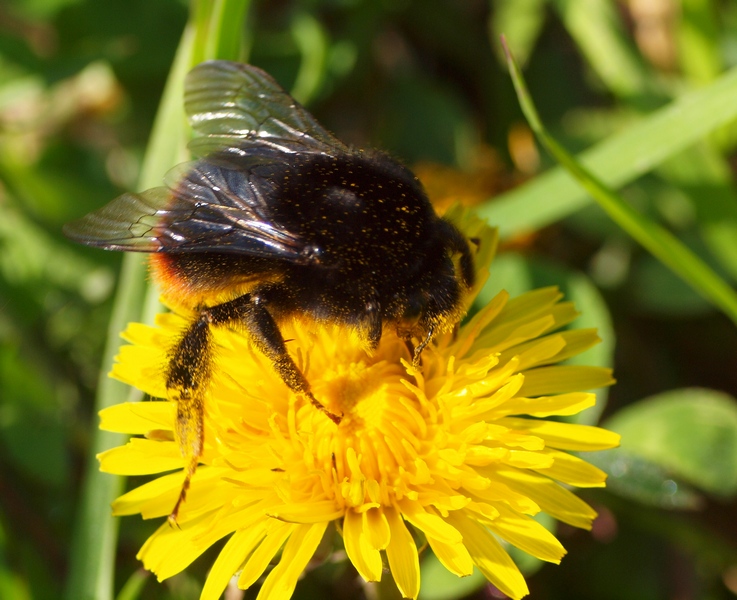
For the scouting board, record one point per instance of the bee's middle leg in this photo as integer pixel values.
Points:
(250, 311)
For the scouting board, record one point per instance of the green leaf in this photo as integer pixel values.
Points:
(692, 433)
(213, 32)
(617, 160)
(519, 20)
(705, 178)
(659, 241)
(12, 586)
(440, 584)
(92, 564)
(657, 291)
(642, 480)
(697, 32)
(226, 30)
(133, 588)
(311, 39)
(596, 27)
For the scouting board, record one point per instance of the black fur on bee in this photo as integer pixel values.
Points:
(276, 218)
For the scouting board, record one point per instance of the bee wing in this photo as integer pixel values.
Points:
(218, 203)
(126, 223)
(206, 209)
(235, 107)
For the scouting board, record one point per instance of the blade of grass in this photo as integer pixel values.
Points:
(91, 575)
(704, 175)
(311, 39)
(618, 160)
(220, 29)
(522, 20)
(214, 31)
(698, 40)
(660, 242)
(597, 28)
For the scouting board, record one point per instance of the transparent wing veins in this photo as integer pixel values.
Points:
(234, 106)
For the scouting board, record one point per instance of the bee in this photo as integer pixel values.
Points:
(276, 218)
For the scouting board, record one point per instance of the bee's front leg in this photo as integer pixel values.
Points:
(250, 311)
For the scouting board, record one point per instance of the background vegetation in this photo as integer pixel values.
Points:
(647, 88)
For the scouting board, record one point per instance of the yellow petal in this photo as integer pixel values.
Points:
(544, 381)
(138, 417)
(143, 368)
(546, 406)
(307, 512)
(485, 408)
(153, 499)
(481, 455)
(469, 332)
(540, 351)
(500, 337)
(298, 551)
(575, 342)
(527, 534)
(549, 496)
(376, 528)
(534, 302)
(565, 436)
(208, 492)
(361, 553)
(277, 533)
(573, 470)
(483, 512)
(233, 518)
(491, 559)
(171, 549)
(454, 557)
(402, 554)
(141, 457)
(428, 522)
(499, 492)
(231, 557)
(528, 460)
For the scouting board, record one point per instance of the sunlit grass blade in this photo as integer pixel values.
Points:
(220, 29)
(596, 27)
(311, 38)
(521, 20)
(618, 160)
(92, 558)
(93, 550)
(133, 588)
(660, 242)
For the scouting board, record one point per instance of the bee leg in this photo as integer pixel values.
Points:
(420, 347)
(372, 324)
(187, 379)
(250, 311)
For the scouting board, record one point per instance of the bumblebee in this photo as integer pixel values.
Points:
(276, 218)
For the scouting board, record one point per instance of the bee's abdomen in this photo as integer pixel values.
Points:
(208, 279)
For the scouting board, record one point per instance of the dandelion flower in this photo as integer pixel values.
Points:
(460, 454)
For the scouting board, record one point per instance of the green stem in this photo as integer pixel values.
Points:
(215, 30)
(657, 240)
(92, 572)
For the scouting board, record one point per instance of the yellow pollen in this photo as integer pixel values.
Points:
(383, 428)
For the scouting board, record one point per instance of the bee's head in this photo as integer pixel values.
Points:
(435, 303)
